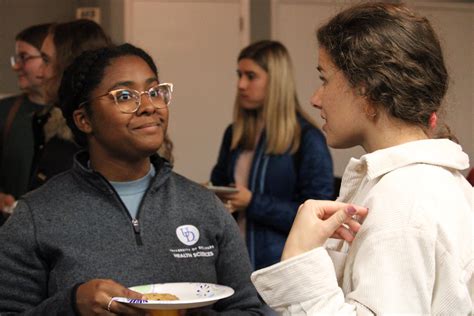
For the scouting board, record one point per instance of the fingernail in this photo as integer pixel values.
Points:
(351, 210)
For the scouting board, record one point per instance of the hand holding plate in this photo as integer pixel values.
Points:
(95, 298)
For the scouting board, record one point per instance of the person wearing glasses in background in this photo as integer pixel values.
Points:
(125, 217)
(37, 142)
(17, 137)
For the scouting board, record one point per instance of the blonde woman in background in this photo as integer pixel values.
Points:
(272, 152)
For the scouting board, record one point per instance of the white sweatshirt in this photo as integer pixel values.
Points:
(413, 254)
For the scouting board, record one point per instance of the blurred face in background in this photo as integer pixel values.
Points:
(51, 80)
(28, 65)
(252, 84)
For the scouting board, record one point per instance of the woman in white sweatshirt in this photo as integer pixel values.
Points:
(409, 247)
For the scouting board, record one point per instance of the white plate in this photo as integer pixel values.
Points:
(191, 295)
(222, 189)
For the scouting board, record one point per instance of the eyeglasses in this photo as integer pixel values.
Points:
(128, 100)
(21, 59)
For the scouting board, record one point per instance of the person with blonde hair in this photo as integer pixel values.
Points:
(272, 152)
(407, 248)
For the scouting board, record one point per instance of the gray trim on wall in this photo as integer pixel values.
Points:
(260, 18)
(112, 16)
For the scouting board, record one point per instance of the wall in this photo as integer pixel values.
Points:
(453, 22)
(112, 16)
(260, 20)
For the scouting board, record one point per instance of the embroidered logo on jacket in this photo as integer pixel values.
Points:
(187, 234)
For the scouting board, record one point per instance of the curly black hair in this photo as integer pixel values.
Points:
(85, 74)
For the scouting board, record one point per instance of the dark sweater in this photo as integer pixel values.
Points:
(27, 157)
(18, 148)
(75, 228)
(279, 185)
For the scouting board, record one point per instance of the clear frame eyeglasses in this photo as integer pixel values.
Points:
(21, 59)
(128, 101)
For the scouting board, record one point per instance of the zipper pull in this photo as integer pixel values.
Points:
(136, 226)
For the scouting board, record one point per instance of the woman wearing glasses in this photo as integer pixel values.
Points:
(120, 217)
(37, 142)
(17, 140)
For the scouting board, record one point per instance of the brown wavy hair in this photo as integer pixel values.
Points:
(70, 40)
(391, 54)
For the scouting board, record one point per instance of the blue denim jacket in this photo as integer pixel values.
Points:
(279, 184)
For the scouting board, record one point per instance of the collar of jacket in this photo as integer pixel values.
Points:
(438, 152)
(98, 181)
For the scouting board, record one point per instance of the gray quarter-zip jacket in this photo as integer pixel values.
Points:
(75, 228)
